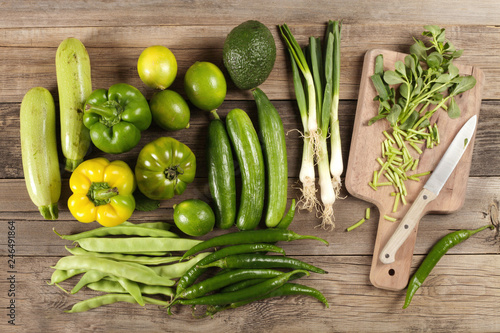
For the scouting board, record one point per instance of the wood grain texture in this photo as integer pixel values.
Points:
(462, 292)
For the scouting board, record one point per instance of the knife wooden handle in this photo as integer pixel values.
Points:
(405, 227)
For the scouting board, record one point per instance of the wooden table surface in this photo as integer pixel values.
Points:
(462, 292)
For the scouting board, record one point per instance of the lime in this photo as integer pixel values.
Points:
(170, 111)
(157, 67)
(194, 217)
(205, 85)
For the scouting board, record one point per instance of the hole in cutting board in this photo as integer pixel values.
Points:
(392, 272)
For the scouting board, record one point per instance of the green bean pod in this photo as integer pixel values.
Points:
(174, 271)
(134, 272)
(219, 281)
(89, 277)
(240, 295)
(249, 237)
(144, 260)
(136, 244)
(119, 230)
(60, 275)
(194, 272)
(263, 261)
(107, 299)
(434, 255)
(114, 287)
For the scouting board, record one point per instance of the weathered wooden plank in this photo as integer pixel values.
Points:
(461, 294)
(96, 13)
(485, 158)
(28, 53)
(35, 236)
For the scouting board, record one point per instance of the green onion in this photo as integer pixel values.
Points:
(357, 224)
(318, 105)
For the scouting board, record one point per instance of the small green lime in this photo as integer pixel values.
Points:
(157, 67)
(205, 85)
(194, 217)
(170, 111)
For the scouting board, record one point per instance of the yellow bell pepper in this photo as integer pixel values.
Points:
(102, 192)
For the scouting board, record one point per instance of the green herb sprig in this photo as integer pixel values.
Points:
(428, 80)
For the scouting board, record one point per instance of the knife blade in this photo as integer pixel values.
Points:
(430, 190)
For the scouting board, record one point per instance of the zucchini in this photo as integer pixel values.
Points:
(251, 163)
(39, 151)
(221, 178)
(74, 86)
(272, 136)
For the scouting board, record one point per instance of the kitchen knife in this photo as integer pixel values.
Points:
(430, 191)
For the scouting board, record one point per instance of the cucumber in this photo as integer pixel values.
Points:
(272, 136)
(221, 178)
(251, 163)
(74, 86)
(39, 151)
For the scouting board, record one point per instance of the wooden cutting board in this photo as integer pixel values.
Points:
(366, 147)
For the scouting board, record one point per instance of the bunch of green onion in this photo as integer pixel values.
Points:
(319, 68)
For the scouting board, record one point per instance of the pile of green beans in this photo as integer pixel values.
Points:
(246, 272)
(133, 262)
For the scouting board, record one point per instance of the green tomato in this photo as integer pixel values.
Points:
(170, 111)
(164, 168)
(205, 85)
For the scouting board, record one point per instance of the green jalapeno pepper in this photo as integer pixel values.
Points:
(116, 117)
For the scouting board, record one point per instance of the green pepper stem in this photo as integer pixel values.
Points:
(109, 111)
(100, 193)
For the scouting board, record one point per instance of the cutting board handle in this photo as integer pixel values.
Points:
(393, 276)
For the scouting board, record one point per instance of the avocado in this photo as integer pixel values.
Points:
(249, 54)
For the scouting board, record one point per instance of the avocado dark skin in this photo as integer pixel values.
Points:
(249, 54)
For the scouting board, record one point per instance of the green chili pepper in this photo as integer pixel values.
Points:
(194, 272)
(240, 295)
(288, 218)
(434, 255)
(116, 117)
(249, 237)
(262, 261)
(216, 282)
(285, 290)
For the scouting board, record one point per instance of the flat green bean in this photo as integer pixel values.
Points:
(119, 230)
(144, 260)
(114, 287)
(136, 244)
(89, 277)
(107, 299)
(60, 275)
(134, 272)
(132, 288)
(177, 270)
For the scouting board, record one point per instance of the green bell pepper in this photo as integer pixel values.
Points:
(116, 117)
(164, 168)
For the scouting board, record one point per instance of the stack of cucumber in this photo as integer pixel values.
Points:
(263, 167)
